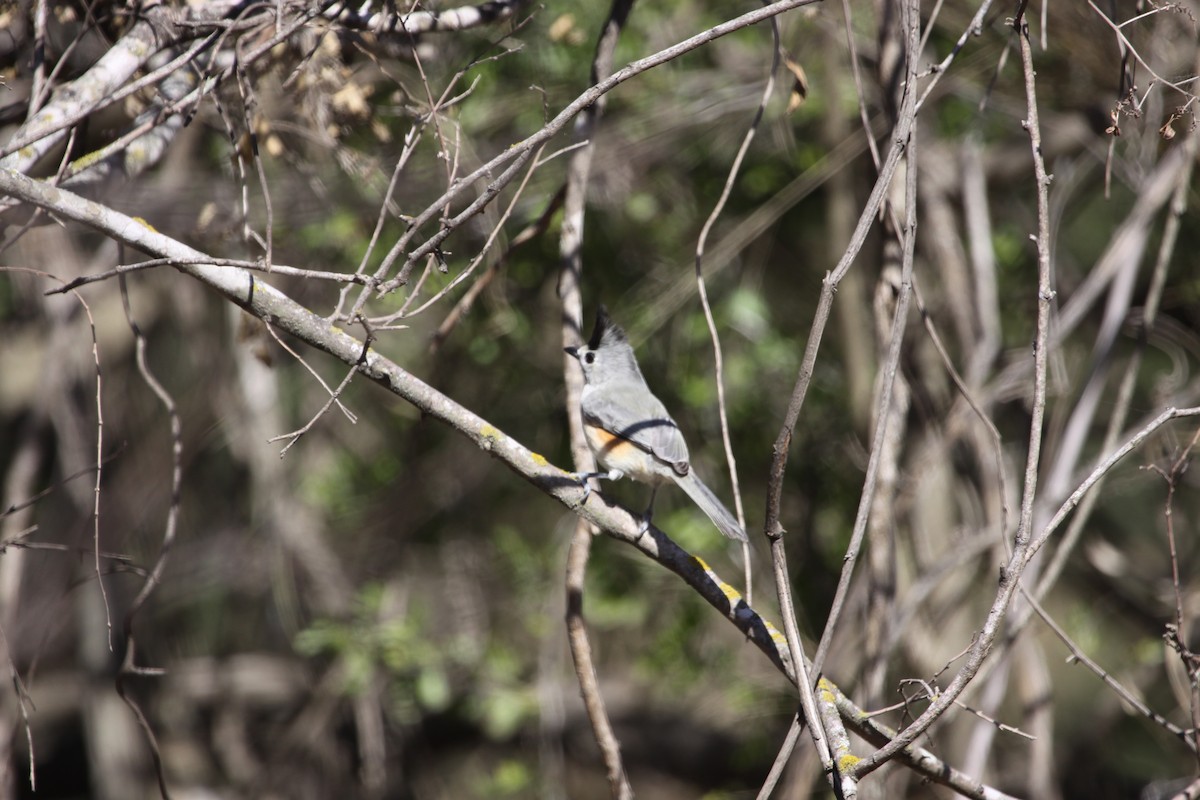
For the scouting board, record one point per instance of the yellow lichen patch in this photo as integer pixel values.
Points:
(776, 636)
(145, 224)
(490, 433)
(732, 594)
(85, 161)
(539, 459)
(847, 762)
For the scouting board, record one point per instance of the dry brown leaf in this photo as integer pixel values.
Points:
(799, 85)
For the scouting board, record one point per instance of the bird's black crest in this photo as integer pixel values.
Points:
(605, 329)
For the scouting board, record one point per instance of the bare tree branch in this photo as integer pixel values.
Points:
(264, 301)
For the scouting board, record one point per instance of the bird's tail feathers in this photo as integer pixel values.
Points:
(710, 505)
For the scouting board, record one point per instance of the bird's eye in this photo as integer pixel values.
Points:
(589, 357)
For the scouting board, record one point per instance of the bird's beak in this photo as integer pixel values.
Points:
(573, 352)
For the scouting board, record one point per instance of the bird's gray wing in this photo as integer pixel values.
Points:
(633, 413)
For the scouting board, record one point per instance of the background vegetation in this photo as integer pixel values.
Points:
(376, 607)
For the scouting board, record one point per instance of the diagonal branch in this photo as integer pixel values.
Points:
(268, 303)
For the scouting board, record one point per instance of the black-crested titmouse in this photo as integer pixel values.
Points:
(629, 429)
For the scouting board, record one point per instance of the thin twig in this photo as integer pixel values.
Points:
(1078, 655)
(24, 701)
(829, 286)
(921, 760)
(702, 290)
(1121, 38)
(781, 758)
(520, 152)
(14, 507)
(129, 667)
(859, 92)
(249, 112)
(254, 266)
(99, 468)
(1177, 632)
(974, 28)
(896, 341)
(334, 394)
(475, 261)
(411, 139)
(238, 146)
(467, 301)
(1106, 465)
(929, 691)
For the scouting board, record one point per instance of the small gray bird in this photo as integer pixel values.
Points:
(629, 429)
